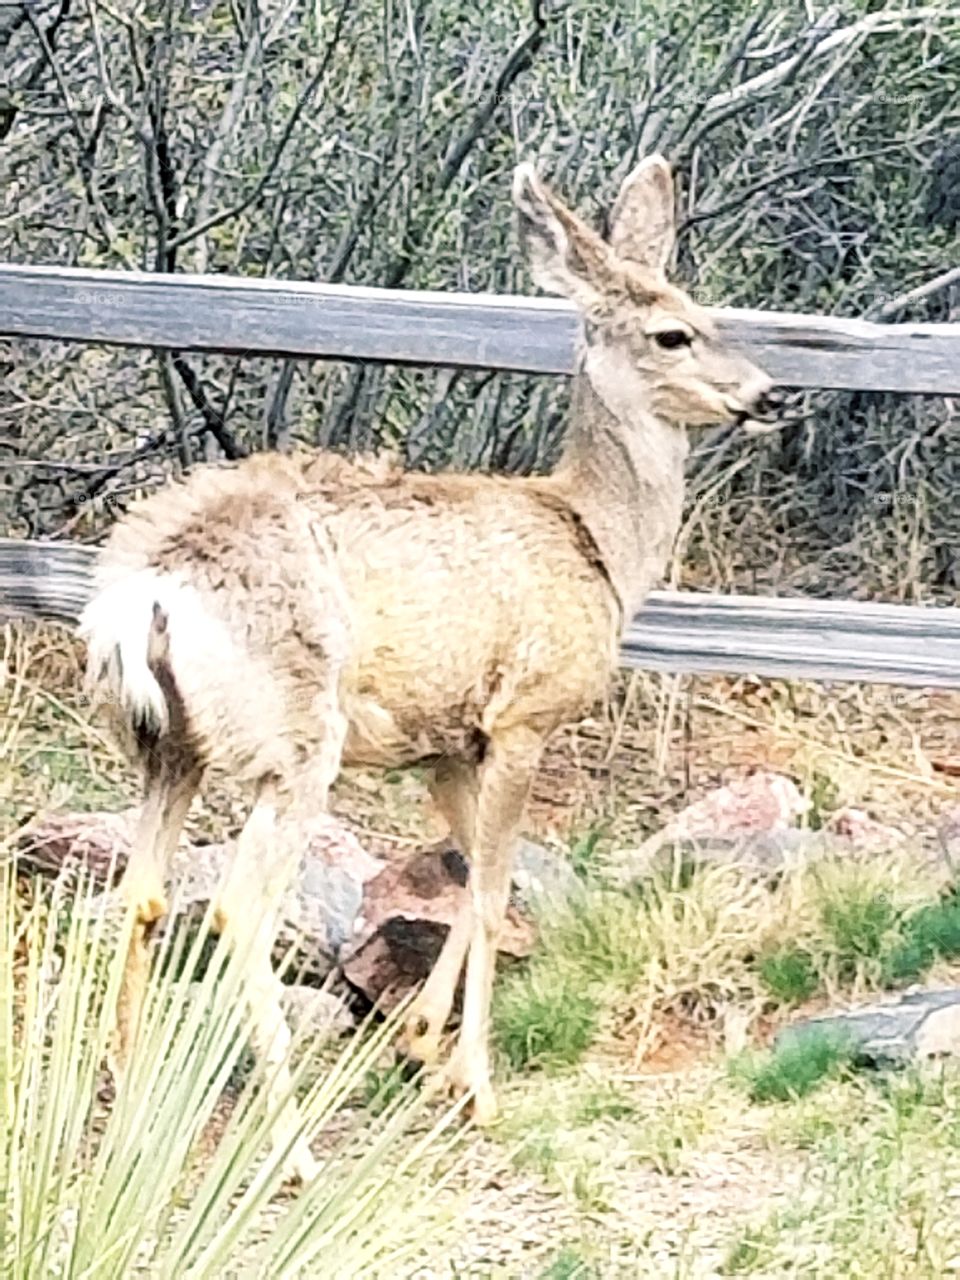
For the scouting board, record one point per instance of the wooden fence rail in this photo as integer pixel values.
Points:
(675, 631)
(529, 335)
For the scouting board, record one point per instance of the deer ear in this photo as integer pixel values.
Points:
(643, 222)
(565, 255)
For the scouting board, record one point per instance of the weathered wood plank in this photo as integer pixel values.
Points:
(530, 335)
(796, 638)
(675, 631)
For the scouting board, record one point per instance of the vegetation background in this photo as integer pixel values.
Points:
(818, 149)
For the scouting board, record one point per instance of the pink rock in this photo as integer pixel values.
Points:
(62, 841)
(858, 826)
(406, 912)
(761, 801)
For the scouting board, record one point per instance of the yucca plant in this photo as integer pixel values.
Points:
(90, 1189)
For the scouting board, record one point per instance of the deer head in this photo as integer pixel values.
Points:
(650, 347)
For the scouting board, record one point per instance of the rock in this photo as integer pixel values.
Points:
(761, 801)
(406, 913)
(312, 1013)
(864, 832)
(948, 833)
(541, 878)
(64, 842)
(315, 1013)
(732, 823)
(748, 823)
(319, 909)
(758, 853)
(918, 1026)
(385, 922)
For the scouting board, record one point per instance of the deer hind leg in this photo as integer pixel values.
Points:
(247, 915)
(454, 788)
(170, 785)
(505, 777)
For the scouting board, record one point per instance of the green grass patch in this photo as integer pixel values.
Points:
(382, 1086)
(605, 1102)
(937, 927)
(876, 1198)
(795, 1068)
(543, 1023)
(860, 927)
(789, 974)
(584, 853)
(569, 1264)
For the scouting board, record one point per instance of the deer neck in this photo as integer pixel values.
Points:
(622, 472)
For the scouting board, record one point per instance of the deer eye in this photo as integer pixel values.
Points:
(670, 339)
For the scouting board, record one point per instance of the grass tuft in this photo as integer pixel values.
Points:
(860, 927)
(789, 974)
(569, 1264)
(543, 1025)
(794, 1068)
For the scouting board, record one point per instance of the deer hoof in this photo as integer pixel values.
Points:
(462, 1082)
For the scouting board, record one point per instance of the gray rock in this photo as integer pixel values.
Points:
(329, 901)
(760, 853)
(316, 1013)
(312, 1013)
(541, 878)
(319, 909)
(916, 1027)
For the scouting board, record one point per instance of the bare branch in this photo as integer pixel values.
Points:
(226, 128)
(214, 220)
(212, 419)
(936, 285)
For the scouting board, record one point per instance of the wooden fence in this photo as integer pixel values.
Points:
(796, 638)
(476, 331)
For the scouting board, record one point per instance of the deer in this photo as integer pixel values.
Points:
(292, 614)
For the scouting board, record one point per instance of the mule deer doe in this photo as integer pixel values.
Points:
(288, 614)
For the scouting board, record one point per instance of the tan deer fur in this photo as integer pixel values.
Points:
(288, 614)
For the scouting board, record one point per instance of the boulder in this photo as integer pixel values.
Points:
(62, 843)
(319, 909)
(316, 1014)
(542, 879)
(916, 1027)
(406, 913)
(750, 823)
(730, 823)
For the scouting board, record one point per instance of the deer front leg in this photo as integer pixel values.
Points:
(506, 774)
(427, 1016)
(454, 790)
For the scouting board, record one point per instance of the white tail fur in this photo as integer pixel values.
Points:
(129, 626)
